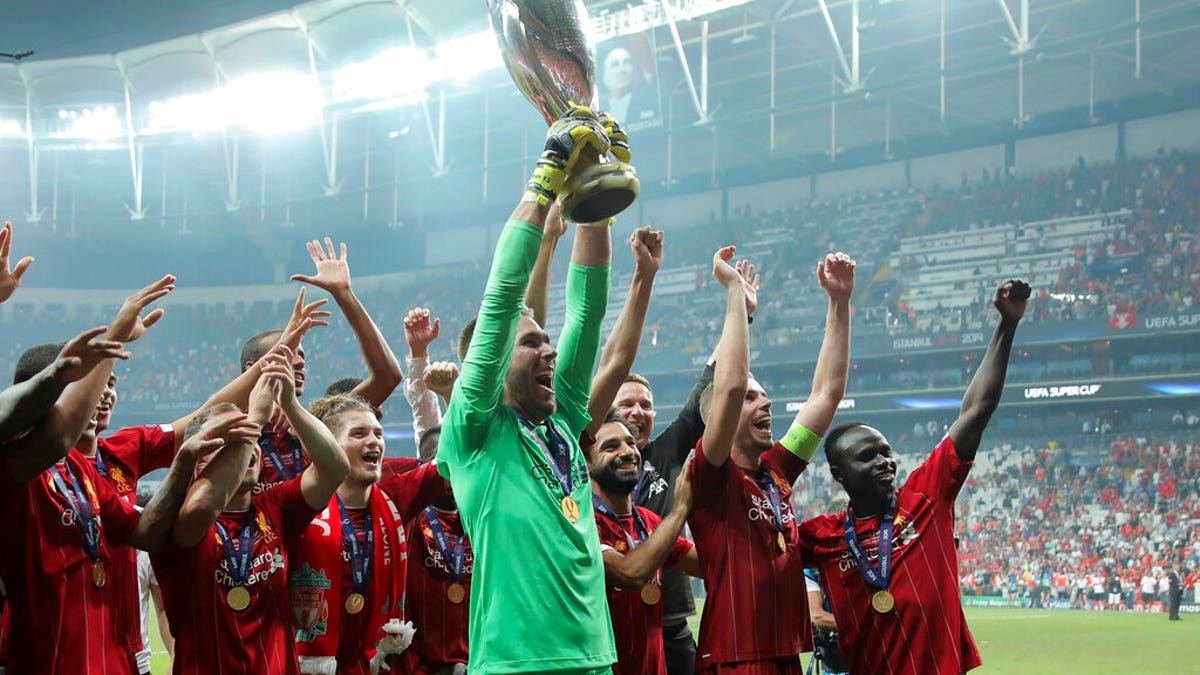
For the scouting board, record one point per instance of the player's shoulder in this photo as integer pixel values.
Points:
(824, 525)
(650, 518)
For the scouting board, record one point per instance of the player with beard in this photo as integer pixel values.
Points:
(68, 524)
(637, 545)
(283, 458)
(888, 562)
(439, 583)
(224, 572)
(509, 443)
(742, 519)
(348, 578)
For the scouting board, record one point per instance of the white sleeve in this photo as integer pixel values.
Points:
(810, 585)
(427, 413)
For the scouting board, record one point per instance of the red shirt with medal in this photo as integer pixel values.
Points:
(441, 625)
(123, 458)
(925, 631)
(637, 626)
(196, 583)
(279, 450)
(61, 622)
(757, 605)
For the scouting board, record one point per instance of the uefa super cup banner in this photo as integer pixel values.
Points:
(550, 56)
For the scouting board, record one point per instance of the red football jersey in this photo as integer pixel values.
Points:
(279, 450)
(926, 632)
(412, 491)
(637, 627)
(757, 607)
(126, 456)
(441, 625)
(61, 623)
(354, 626)
(196, 581)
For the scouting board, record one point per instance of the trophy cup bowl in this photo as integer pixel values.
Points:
(552, 60)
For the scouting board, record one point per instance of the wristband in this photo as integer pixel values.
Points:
(800, 441)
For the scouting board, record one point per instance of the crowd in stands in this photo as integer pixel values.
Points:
(1147, 261)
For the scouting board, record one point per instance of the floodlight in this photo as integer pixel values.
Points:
(98, 123)
(273, 102)
(464, 57)
(11, 129)
(397, 72)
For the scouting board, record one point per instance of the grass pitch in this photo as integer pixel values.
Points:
(1032, 642)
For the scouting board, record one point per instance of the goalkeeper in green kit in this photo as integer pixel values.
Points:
(509, 443)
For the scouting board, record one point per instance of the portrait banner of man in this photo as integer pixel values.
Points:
(629, 81)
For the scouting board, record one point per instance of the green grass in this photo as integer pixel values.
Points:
(1029, 642)
(1025, 642)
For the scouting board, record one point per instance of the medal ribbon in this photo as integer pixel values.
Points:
(557, 452)
(101, 467)
(79, 501)
(271, 452)
(456, 556)
(879, 578)
(607, 512)
(642, 531)
(361, 557)
(238, 551)
(767, 484)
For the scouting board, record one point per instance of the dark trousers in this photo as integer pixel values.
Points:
(1173, 602)
(680, 649)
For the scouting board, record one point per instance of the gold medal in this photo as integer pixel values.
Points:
(455, 593)
(355, 603)
(882, 602)
(238, 598)
(99, 576)
(781, 542)
(651, 594)
(570, 508)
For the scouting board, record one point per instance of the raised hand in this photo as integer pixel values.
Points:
(10, 279)
(723, 272)
(419, 332)
(129, 324)
(835, 273)
(617, 136)
(647, 249)
(1011, 297)
(304, 318)
(280, 376)
(84, 352)
(333, 272)
(750, 280)
(556, 225)
(219, 431)
(440, 377)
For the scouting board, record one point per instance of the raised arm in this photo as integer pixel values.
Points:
(587, 300)
(74, 409)
(161, 516)
(983, 394)
(633, 569)
(419, 332)
(479, 389)
(25, 404)
(329, 464)
(836, 275)
(229, 438)
(333, 275)
(537, 296)
(620, 351)
(10, 279)
(731, 376)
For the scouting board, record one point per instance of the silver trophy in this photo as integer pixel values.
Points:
(553, 61)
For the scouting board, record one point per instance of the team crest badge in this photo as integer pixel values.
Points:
(308, 602)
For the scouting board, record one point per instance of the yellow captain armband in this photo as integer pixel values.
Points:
(801, 442)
